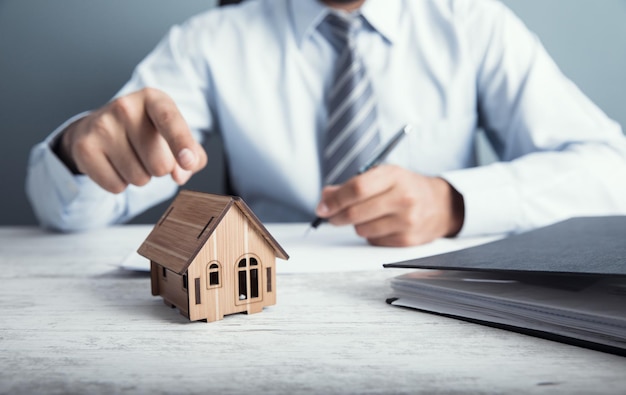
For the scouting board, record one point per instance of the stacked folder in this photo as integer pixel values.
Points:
(564, 282)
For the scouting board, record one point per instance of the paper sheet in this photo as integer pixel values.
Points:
(334, 249)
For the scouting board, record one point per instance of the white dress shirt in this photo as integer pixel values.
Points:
(257, 73)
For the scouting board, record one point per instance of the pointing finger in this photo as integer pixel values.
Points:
(169, 122)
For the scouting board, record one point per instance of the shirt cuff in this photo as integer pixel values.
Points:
(492, 202)
(69, 184)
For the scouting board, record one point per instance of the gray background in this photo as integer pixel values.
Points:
(61, 57)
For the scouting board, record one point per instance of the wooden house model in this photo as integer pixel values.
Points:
(210, 256)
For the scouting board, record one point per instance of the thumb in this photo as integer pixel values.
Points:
(180, 175)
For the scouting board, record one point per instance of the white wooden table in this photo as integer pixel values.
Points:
(73, 322)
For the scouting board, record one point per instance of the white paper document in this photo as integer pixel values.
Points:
(334, 249)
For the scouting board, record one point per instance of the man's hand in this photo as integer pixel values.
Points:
(391, 206)
(132, 139)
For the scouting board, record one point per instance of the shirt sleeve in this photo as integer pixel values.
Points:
(560, 155)
(67, 202)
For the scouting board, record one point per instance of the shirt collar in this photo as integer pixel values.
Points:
(382, 15)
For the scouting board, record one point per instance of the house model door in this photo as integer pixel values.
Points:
(248, 275)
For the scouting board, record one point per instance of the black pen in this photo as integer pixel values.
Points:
(375, 161)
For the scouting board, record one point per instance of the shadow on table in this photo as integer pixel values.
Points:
(129, 293)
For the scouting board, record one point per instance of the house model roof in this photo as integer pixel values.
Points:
(189, 222)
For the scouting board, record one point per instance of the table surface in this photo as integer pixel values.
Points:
(74, 322)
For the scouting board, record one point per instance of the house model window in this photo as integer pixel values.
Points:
(213, 273)
(221, 253)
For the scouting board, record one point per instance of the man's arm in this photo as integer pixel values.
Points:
(561, 156)
(134, 140)
(126, 142)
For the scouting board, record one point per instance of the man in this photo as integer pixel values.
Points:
(265, 73)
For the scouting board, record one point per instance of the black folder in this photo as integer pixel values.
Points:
(585, 245)
(565, 282)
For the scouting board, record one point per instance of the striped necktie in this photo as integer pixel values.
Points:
(351, 131)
